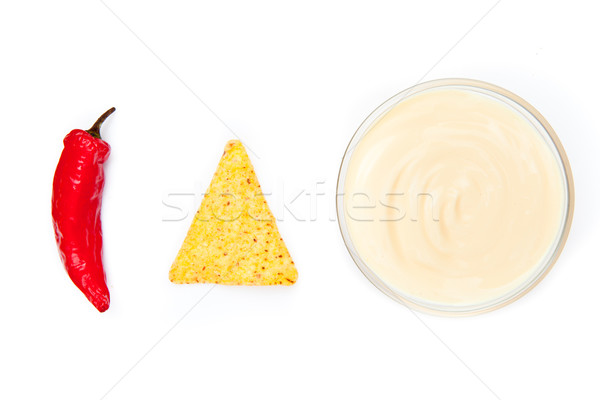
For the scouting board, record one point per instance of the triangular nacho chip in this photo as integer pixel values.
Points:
(233, 239)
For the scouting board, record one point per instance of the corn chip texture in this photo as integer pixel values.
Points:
(233, 239)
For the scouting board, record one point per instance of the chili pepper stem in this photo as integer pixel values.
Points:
(95, 129)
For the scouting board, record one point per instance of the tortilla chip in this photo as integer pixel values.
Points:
(233, 239)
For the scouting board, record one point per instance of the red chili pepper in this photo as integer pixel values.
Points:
(76, 204)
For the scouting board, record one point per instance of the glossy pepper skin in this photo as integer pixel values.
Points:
(76, 205)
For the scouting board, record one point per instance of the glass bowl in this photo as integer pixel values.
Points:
(549, 136)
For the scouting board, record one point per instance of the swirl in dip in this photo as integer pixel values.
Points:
(453, 197)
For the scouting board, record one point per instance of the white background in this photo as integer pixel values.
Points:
(293, 81)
